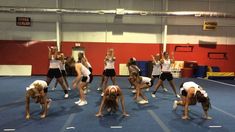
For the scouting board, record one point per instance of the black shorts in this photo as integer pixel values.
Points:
(45, 90)
(54, 73)
(183, 92)
(156, 76)
(110, 73)
(150, 83)
(87, 79)
(63, 72)
(90, 69)
(91, 78)
(166, 75)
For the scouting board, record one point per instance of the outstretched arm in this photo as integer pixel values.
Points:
(43, 102)
(123, 104)
(27, 99)
(187, 103)
(101, 107)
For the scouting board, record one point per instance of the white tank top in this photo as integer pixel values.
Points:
(54, 63)
(109, 64)
(166, 66)
(62, 66)
(89, 65)
(190, 84)
(85, 71)
(40, 82)
(134, 68)
(156, 68)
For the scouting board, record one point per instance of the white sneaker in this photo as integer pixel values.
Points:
(49, 103)
(147, 89)
(69, 88)
(165, 89)
(66, 96)
(77, 102)
(109, 109)
(153, 95)
(85, 91)
(143, 101)
(99, 89)
(133, 91)
(102, 94)
(207, 117)
(175, 105)
(53, 88)
(81, 103)
(177, 95)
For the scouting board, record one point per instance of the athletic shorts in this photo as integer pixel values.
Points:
(87, 79)
(166, 75)
(150, 83)
(183, 92)
(110, 73)
(90, 69)
(45, 90)
(54, 73)
(156, 76)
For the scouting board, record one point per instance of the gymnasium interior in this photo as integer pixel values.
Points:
(198, 34)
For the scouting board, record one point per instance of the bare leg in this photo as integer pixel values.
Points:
(61, 81)
(102, 81)
(159, 83)
(55, 84)
(113, 80)
(105, 83)
(66, 81)
(173, 86)
(81, 90)
(48, 80)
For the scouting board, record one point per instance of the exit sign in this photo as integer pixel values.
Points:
(23, 21)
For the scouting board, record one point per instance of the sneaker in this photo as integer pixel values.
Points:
(165, 89)
(133, 91)
(85, 91)
(49, 103)
(102, 94)
(175, 105)
(153, 95)
(99, 89)
(109, 110)
(69, 88)
(207, 117)
(143, 101)
(77, 102)
(53, 88)
(66, 96)
(147, 89)
(177, 95)
(81, 103)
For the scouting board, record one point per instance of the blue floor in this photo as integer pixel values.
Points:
(65, 116)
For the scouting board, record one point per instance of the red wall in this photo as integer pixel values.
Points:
(35, 53)
(200, 54)
(95, 52)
